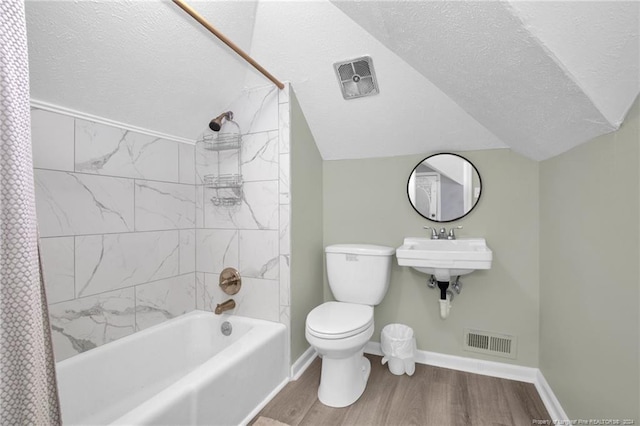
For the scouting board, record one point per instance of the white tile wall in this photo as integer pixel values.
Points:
(109, 150)
(257, 210)
(187, 251)
(100, 190)
(160, 205)
(134, 236)
(187, 173)
(76, 204)
(284, 135)
(161, 300)
(259, 254)
(284, 186)
(82, 324)
(257, 298)
(52, 138)
(111, 261)
(58, 266)
(256, 110)
(216, 249)
(260, 156)
(254, 235)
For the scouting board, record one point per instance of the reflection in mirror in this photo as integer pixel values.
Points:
(444, 187)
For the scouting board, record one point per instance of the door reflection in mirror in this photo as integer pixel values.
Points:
(444, 187)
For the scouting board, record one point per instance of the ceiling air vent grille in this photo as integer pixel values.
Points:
(484, 342)
(357, 77)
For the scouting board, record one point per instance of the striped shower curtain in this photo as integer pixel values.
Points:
(28, 394)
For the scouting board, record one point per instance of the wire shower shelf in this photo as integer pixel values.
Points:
(221, 141)
(228, 189)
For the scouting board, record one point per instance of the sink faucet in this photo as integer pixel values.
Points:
(434, 233)
(442, 234)
(452, 234)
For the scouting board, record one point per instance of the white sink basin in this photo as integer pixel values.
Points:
(445, 258)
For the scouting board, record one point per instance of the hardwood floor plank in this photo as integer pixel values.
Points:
(291, 404)
(373, 408)
(432, 396)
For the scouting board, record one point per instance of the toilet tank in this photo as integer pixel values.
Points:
(359, 273)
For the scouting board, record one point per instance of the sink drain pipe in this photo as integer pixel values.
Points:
(445, 299)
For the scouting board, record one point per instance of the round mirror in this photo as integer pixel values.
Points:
(444, 187)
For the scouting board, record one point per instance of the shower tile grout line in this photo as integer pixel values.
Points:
(121, 288)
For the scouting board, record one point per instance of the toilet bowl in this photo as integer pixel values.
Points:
(339, 331)
(358, 275)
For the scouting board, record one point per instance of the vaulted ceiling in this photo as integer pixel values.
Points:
(536, 77)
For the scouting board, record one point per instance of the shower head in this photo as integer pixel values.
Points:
(216, 123)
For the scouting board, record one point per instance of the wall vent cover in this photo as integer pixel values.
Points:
(484, 342)
(357, 77)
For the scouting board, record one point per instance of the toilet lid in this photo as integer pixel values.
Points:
(337, 320)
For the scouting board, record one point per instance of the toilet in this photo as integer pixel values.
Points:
(358, 275)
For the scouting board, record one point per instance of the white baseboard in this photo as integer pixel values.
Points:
(549, 399)
(488, 368)
(302, 363)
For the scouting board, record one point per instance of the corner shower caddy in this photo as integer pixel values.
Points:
(228, 186)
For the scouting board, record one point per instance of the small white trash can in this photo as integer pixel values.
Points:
(399, 347)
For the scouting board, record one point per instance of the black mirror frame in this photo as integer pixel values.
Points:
(460, 217)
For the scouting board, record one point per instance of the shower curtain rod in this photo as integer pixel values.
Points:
(195, 15)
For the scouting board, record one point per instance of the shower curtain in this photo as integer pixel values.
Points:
(28, 394)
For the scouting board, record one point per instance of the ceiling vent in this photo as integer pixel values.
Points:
(357, 78)
(484, 342)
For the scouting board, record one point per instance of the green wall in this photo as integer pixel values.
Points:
(365, 201)
(307, 261)
(565, 278)
(590, 278)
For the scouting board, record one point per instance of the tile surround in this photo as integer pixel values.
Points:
(77, 204)
(160, 205)
(187, 251)
(216, 249)
(134, 238)
(257, 299)
(257, 210)
(161, 300)
(58, 267)
(82, 324)
(108, 150)
(52, 140)
(260, 156)
(254, 235)
(111, 261)
(187, 158)
(259, 254)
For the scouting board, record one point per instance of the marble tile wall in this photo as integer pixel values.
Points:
(252, 236)
(130, 236)
(117, 219)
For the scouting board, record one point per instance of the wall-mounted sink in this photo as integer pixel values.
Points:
(445, 258)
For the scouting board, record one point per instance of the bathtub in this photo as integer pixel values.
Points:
(181, 372)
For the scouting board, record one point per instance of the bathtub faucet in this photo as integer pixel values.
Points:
(225, 306)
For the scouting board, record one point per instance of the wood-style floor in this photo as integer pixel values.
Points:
(432, 396)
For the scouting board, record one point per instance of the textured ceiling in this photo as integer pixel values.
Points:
(538, 77)
(143, 63)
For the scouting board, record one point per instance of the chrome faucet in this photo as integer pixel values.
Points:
(434, 233)
(442, 234)
(225, 306)
(452, 234)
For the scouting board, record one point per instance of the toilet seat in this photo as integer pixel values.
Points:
(339, 320)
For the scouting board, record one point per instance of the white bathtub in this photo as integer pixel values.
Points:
(181, 372)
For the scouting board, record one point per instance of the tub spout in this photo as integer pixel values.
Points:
(225, 306)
